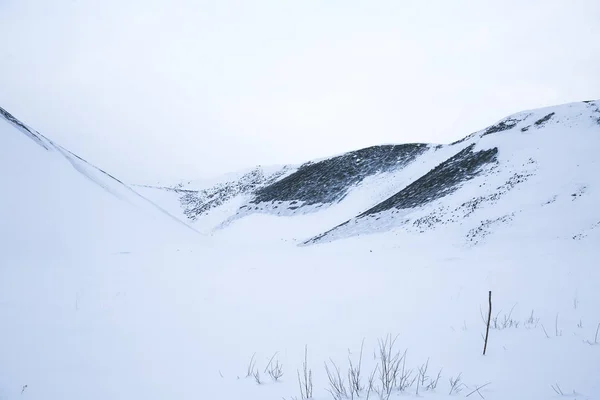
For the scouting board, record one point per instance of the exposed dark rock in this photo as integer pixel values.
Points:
(505, 125)
(328, 181)
(596, 110)
(440, 181)
(8, 116)
(476, 235)
(32, 134)
(428, 221)
(324, 234)
(195, 203)
(463, 139)
(580, 192)
(469, 207)
(552, 200)
(542, 121)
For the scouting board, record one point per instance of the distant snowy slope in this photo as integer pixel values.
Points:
(329, 180)
(537, 169)
(343, 184)
(527, 157)
(207, 203)
(55, 202)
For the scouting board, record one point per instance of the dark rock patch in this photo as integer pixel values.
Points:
(328, 181)
(196, 203)
(9, 117)
(440, 181)
(505, 125)
(32, 134)
(543, 120)
(463, 139)
(437, 183)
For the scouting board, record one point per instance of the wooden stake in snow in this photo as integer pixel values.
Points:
(487, 331)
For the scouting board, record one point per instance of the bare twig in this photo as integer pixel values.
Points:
(370, 382)
(545, 333)
(557, 389)
(455, 385)
(354, 371)
(487, 331)
(422, 375)
(270, 361)
(389, 364)
(556, 331)
(404, 381)
(477, 390)
(305, 379)
(532, 321)
(423, 372)
(251, 364)
(337, 387)
(508, 321)
(482, 316)
(434, 382)
(595, 337)
(256, 376)
(276, 370)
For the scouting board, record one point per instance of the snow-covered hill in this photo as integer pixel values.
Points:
(521, 169)
(105, 296)
(54, 202)
(534, 172)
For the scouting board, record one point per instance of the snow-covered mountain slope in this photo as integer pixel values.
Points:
(488, 180)
(207, 203)
(242, 314)
(343, 185)
(54, 202)
(534, 172)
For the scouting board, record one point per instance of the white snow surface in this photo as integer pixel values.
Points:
(104, 296)
(55, 203)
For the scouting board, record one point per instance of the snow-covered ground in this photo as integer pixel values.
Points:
(185, 324)
(104, 296)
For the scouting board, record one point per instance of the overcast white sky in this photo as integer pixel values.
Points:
(164, 90)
